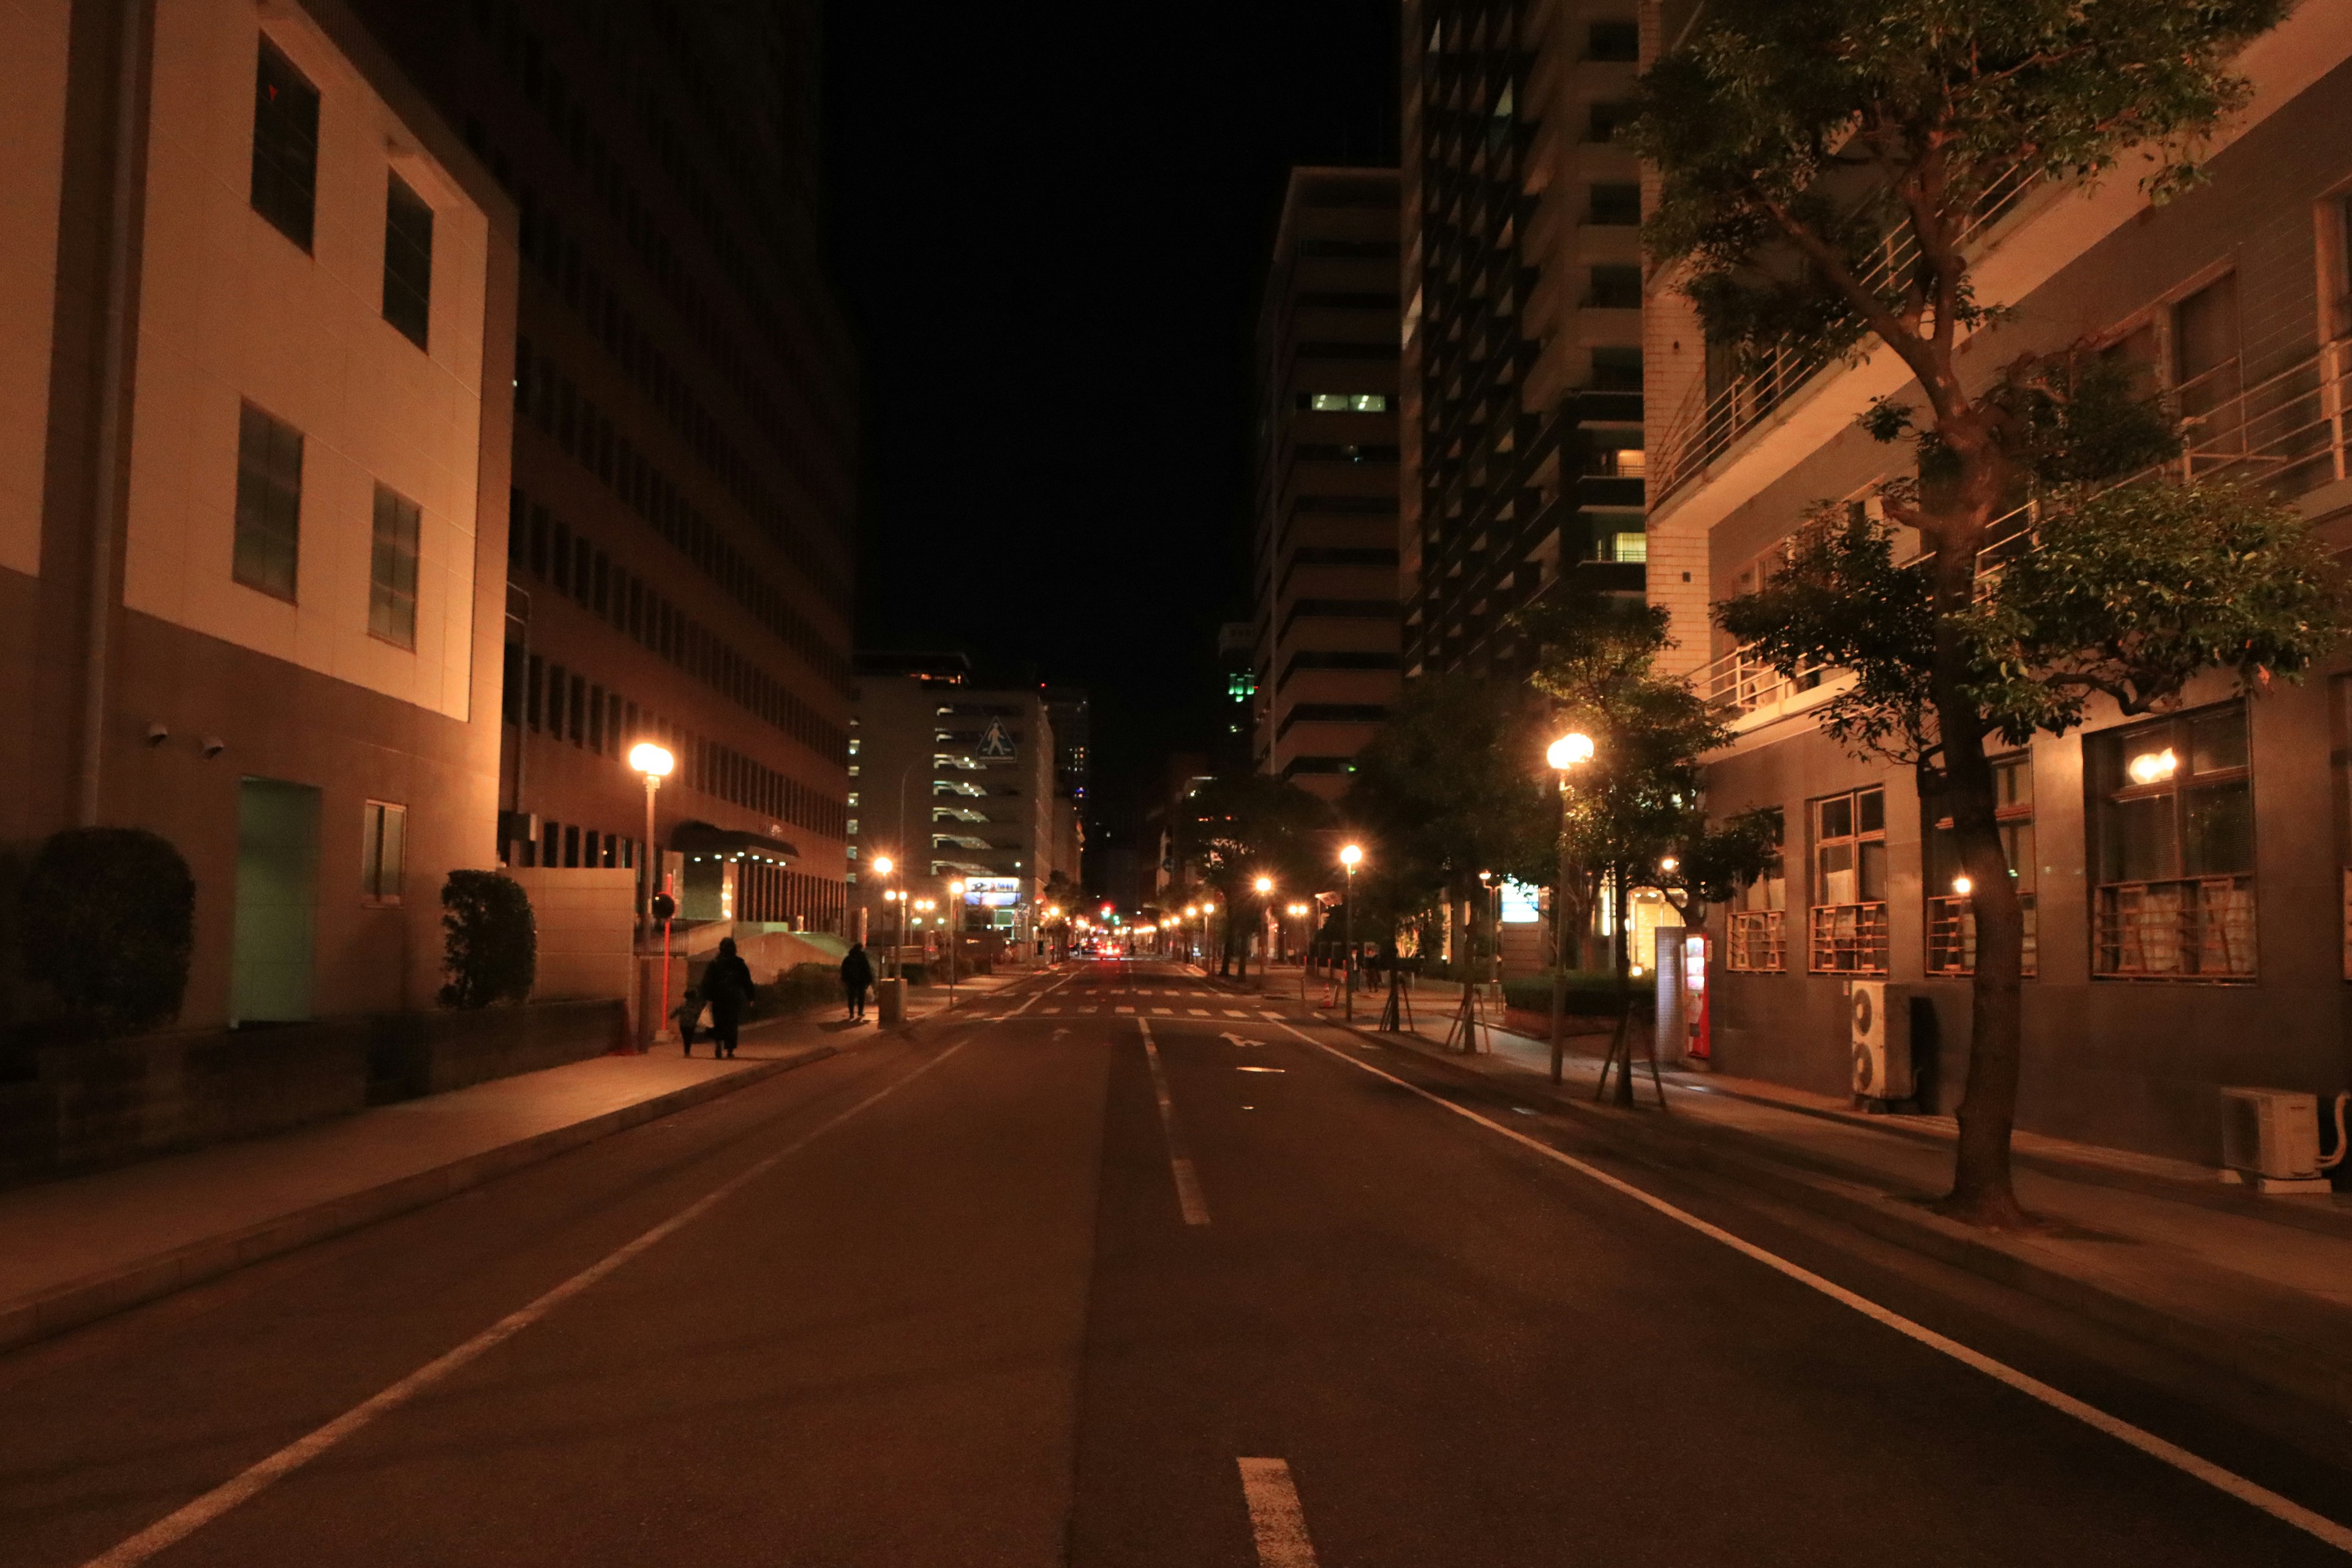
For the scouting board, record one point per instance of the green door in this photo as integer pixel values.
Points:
(277, 901)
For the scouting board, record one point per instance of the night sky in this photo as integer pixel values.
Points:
(1050, 224)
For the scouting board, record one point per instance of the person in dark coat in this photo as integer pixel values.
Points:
(856, 979)
(727, 985)
(688, 1015)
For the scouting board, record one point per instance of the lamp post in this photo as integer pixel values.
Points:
(955, 933)
(1262, 887)
(1350, 858)
(1570, 752)
(883, 866)
(655, 762)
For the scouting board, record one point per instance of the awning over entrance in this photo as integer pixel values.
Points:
(729, 844)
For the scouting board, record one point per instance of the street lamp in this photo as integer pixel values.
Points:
(1262, 886)
(655, 762)
(955, 933)
(1350, 858)
(1570, 752)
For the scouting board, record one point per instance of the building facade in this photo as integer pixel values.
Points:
(680, 567)
(1324, 636)
(254, 424)
(2185, 876)
(1522, 380)
(954, 782)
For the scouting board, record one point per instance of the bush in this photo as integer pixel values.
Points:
(109, 917)
(799, 988)
(492, 951)
(1590, 994)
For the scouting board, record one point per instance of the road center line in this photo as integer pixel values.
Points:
(1188, 1181)
(182, 1522)
(1275, 1518)
(2285, 1509)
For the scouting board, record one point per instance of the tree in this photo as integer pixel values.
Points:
(1452, 786)
(1237, 827)
(1824, 166)
(109, 923)
(491, 952)
(1634, 816)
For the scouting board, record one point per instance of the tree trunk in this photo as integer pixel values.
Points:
(1624, 1047)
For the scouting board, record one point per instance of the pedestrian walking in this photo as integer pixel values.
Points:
(689, 1014)
(856, 979)
(727, 983)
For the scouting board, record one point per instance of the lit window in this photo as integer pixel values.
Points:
(2174, 803)
(1347, 401)
(392, 570)
(1628, 547)
(383, 851)
(1951, 913)
(269, 503)
(1848, 926)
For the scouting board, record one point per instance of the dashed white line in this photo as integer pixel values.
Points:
(1122, 1007)
(1187, 1180)
(1196, 1012)
(2284, 1509)
(1235, 1012)
(1275, 1516)
(1159, 1012)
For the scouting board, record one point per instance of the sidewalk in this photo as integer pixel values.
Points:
(2159, 1248)
(80, 1249)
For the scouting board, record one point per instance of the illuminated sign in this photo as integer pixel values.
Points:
(991, 892)
(995, 744)
(1521, 905)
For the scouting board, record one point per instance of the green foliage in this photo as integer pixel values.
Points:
(108, 917)
(1590, 994)
(1454, 784)
(1794, 137)
(491, 940)
(1239, 826)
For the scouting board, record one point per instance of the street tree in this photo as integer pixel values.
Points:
(1825, 168)
(1634, 818)
(1451, 785)
(1237, 827)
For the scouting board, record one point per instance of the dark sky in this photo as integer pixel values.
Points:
(1050, 222)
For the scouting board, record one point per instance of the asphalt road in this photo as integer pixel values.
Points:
(1027, 1290)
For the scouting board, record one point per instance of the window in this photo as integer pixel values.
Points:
(1615, 288)
(1847, 933)
(1613, 42)
(1604, 120)
(1345, 402)
(1951, 911)
(2205, 368)
(285, 146)
(392, 570)
(268, 502)
(1616, 204)
(407, 260)
(2335, 265)
(1617, 369)
(1758, 924)
(2174, 805)
(383, 851)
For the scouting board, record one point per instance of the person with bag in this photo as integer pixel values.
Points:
(727, 983)
(856, 979)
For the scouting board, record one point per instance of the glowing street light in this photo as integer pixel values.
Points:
(1350, 857)
(1571, 750)
(655, 762)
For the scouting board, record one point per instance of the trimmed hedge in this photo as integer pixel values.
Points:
(107, 921)
(1590, 995)
(491, 937)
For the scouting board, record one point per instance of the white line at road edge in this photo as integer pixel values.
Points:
(176, 1527)
(1275, 1518)
(2284, 1509)
(1187, 1180)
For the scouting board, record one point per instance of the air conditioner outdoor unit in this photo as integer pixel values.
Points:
(2270, 1140)
(1881, 1035)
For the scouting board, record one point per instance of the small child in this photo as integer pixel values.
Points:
(689, 1014)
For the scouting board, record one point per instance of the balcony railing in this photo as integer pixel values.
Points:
(2288, 432)
(1952, 935)
(1848, 939)
(2193, 928)
(1759, 942)
(1708, 422)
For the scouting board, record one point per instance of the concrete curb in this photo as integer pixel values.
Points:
(1865, 1201)
(87, 1300)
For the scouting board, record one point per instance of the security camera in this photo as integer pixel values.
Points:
(157, 734)
(212, 746)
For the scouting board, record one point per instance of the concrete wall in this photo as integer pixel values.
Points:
(587, 928)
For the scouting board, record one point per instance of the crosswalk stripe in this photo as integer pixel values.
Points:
(1235, 1013)
(1162, 1012)
(1196, 1012)
(1123, 1009)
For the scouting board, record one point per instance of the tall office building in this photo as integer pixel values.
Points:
(680, 561)
(1522, 381)
(1325, 637)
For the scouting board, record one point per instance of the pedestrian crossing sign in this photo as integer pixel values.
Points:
(995, 744)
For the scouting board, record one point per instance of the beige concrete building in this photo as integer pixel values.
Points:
(2185, 917)
(254, 417)
(1324, 638)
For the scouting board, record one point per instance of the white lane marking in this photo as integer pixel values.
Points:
(1235, 1012)
(1275, 1518)
(1196, 1012)
(1047, 1012)
(1159, 1012)
(1187, 1180)
(1122, 1007)
(1041, 993)
(182, 1522)
(1246, 1068)
(2284, 1509)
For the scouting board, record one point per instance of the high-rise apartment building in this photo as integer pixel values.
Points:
(1325, 638)
(253, 422)
(1522, 379)
(680, 563)
(2185, 874)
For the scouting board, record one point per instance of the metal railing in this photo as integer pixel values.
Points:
(1708, 422)
(1952, 935)
(2287, 432)
(1757, 941)
(1847, 939)
(2188, 928)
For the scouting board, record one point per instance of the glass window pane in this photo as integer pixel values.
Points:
(1872, 803)
(269, 503)
(285, 146)
(2017, 841)
(2221, 829)
(1837, 817)
(2013, 782)
(2218, 740)
(407, 261)
(1874, 869)
(2141, 843)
